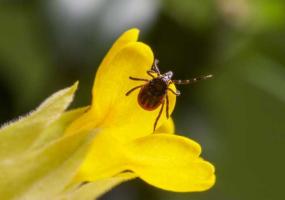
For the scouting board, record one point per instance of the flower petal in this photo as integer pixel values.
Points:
(109, 78)
(166, 127)
(117, 114)
(104, 159)
(170, 162)
(116, 110)
(88, 120)
(128, 37)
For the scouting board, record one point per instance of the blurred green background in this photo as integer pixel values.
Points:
(237, 117)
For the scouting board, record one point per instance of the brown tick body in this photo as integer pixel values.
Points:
(154, 92)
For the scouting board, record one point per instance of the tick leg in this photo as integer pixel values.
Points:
(138, 79)
(154, 69)
(167, 106)
(149, 72)
(155, 66)
(133, 89)
(177, 93)
(158, 116)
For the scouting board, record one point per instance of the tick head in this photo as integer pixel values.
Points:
(167, 76)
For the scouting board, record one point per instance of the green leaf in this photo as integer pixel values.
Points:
(266, 15)
(267, 75)
(93, 190)
(195, 14)
(16, 137)
(44, 173)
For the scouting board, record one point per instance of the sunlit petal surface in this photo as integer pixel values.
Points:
(125, 140)
(167, 127)
(171, 162)
(117, 114)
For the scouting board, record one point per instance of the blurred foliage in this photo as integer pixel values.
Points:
(237, 116)
(191, 13)
(25, 59)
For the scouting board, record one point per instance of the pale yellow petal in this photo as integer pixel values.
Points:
(170, 162)
(44, 172)
(84, 122)
(18, 136)
(93, 190)
(57, 128)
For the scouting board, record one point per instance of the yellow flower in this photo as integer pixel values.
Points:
(124, 140)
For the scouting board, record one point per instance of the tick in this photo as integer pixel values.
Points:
(154, 92)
